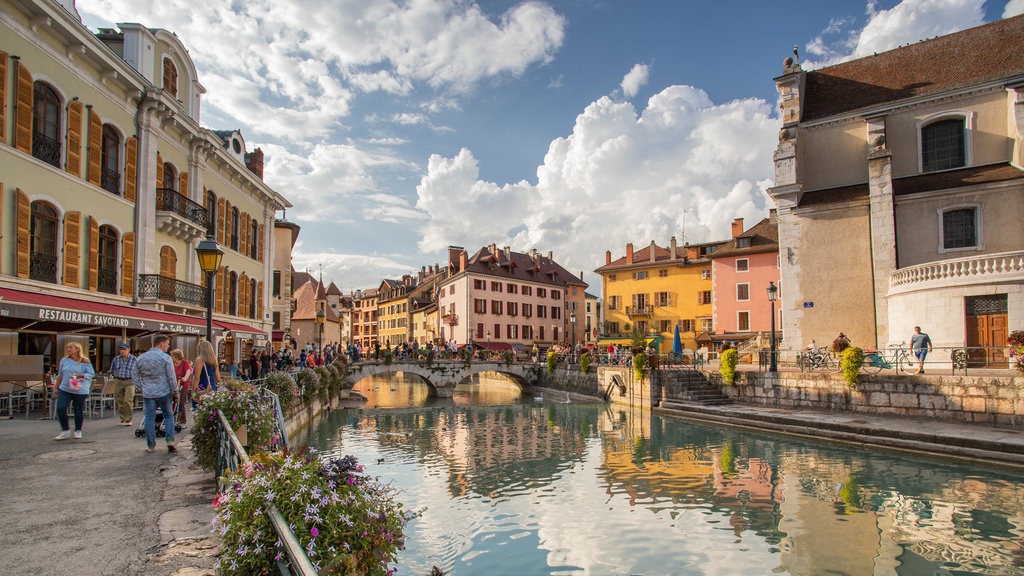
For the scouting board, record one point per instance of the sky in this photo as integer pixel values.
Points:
(397, 128)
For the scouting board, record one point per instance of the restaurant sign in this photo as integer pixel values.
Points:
(50, 314)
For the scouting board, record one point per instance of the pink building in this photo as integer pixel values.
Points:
(740, 271)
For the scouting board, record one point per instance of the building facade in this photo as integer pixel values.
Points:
(900, 194)
(741, 270)
(108, 183)
(285, 235)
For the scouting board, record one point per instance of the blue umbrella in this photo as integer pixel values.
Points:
(677, 344)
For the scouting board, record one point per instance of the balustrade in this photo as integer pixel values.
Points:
(1008, 265)
(155, 286)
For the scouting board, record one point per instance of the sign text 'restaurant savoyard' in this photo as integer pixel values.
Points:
(82, 318)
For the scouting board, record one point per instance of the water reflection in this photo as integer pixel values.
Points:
(508, 485)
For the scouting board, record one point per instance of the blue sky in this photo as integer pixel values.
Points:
(397, 128)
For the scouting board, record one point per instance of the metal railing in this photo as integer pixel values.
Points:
(171, 290)
(46, 149)
(106, 281)
(42, 267)
(170, 200)
(110, 180)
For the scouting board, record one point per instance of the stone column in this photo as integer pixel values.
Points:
(883, 232)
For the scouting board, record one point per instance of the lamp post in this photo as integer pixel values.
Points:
(319, 331)
(773, 293)
(209, 255)
(488, 340)
(572, 320)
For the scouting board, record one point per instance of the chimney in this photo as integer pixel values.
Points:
(737, 227)
(692, 252)
(508, 252)
(454, 255)
(629, 253)
(672, 248)
(653, 249)
(462, 261)
(254, 162)
(551, 255)
(607, 257)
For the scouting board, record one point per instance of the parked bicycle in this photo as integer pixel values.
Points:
(895, 356)
(810, 360)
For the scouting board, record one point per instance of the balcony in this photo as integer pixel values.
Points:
(178, 216)
(640, 311)
(42, 267)
(153, 287)
(985, 269)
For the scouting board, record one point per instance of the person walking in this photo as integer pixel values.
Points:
(154, 375)
(74, 379)
(205, 371)
(921, 345)
(183, 375)
(121, 368)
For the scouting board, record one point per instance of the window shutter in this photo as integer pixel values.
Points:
(24, 232)
(72, 247)
(128, 264)
(243, 296)
(634, 302)
(131, 167)
(243, 232)
(94, 253)
(159, 171)
(261, 243)
(4, 59)
(221, 204)
(74, 161)
(259, 301)
(219, 290)
(23, 111)
(95, 147)
(183, 183)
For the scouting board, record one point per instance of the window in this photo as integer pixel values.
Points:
(611, 327)
(743, 291)
(664, 325)
(512, 331)
(235, 224)
(170, 177)
(556, 313)
(527, 291)
(611, 277)
(556, 294)
(942, 145)
(106, 255)
(688, 325)
(542, 311)
(663, 273)
(554, 332)
(642, 275)
(43, 242)
(743, 242)
(170, 78)
(704, 297)
(496, 307)
(46, 128)
(110, 169)
(662, 298)
(495, 286)
(541, 332)
(451, 290)
(512, 308)
(211, 214)
(742, 265)
(527, 310)
(254, 239)
(479, 285)
(743, 321)
(527, 332)
(961, 228)
(277, 284)
(497, 331)
(511, 288)
(542, 293)
(480, 330)
(168, 262)
(707, 325)
(614, 302)
(705, 274)
(253, 297)
(479, 305)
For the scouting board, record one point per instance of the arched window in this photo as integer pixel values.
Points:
(943, 145)
(168, 262)
(253, 297)
(110, 175)
(235, 224)
(233, 294)
(170, 78)
(170, 176)
(107, 260)
(43, 242)
(211, 214)
(254, 239)
(46, 129)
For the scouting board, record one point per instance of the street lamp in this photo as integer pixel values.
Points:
(572, 320)
(320, 331)
(209, 255)
(773, 293)
(488, 339)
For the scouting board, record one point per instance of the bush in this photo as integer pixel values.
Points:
(241, 407)
(324, 388)
(284, 386)
(552, 361)
(585, 361)
(308, 383)
(347, 523)
(639, 366)
(727, 365)
(850, 364)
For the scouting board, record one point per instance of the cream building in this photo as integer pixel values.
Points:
(899, 192)
(109, 182)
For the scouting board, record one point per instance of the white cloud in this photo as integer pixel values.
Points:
(1013, 8)
(634, 80)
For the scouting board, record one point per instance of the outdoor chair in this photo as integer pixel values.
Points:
(100, 397)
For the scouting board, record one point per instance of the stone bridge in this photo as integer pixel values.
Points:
(443, 375)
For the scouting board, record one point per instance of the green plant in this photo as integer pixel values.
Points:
(639, 366)
(585, 361)
(239, 407)
(388, 358)
(346, 522)
(466, 354)
(1016, 343)
(284, 386)
(850, 364)
(324, 389)
(507, 357)
(308, 383)
(638, 341)
(727, 365)
(552, 361)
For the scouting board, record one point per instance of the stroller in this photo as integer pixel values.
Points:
(158, 424)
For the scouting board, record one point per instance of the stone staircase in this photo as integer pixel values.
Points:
(690, 386)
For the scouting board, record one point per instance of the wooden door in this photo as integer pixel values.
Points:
(987, 330)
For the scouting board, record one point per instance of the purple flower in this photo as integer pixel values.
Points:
(314, 531)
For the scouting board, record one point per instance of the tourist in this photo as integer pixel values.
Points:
(183, 375)
(205, 371)
(840, 343)
(921, 344)
(74, 379)
(121, 368)
(154, 375)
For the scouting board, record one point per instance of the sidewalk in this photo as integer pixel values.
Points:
(102, 505)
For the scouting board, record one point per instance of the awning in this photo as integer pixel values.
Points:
(494, 346)
(242, 331)
(277, 335)
(626, 341)
(45, 313)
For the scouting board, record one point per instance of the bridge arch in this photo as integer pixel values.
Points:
(443, 376)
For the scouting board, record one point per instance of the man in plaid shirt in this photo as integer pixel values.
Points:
(121, 368)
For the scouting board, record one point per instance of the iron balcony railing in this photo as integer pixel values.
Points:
(46, 149)
(170, 289)
(107, 281)
(169, 200)
(640, 310)
(42, 267)
(110, 180)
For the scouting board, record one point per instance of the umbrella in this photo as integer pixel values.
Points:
(677, 344)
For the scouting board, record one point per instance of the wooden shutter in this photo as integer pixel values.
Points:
(4, 59)
(159, 171)
(183, 183)
(24, 233)
(259, 301)
(219, 290)
(220, 220)
(74, 162)
(94, 253)
(243, 241)
(128, 264)
(131, 168)
(261, 243)
(23, 111)
(72, 247)
(243, 295)
(95, 147)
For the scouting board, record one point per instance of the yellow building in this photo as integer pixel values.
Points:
(655, 289)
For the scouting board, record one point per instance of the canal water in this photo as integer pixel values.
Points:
(510, 485)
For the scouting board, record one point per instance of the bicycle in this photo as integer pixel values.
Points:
(898, 358)
(810, 360)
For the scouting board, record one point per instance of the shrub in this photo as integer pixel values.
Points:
(466, 354)
(284, 386)
(552, 361)
(850, 364)
(585, 361)
(324, 389)
(639, 366)
(308, 383)
(1016, 343)
(347, 523)
(727, 365)
(239, 408)
(507, 357)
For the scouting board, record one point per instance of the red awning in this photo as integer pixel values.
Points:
(494, 346)
(241, 331)
(45, 313)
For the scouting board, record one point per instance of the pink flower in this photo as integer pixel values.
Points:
(314, 531)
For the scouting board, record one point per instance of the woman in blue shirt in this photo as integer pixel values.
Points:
(74, 380)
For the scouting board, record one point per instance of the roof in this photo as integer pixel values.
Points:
(763, 236)
(333, 290)
(662, 257)
(532, 267)
(966, 58)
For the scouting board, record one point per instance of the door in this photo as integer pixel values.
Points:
(986, 325)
